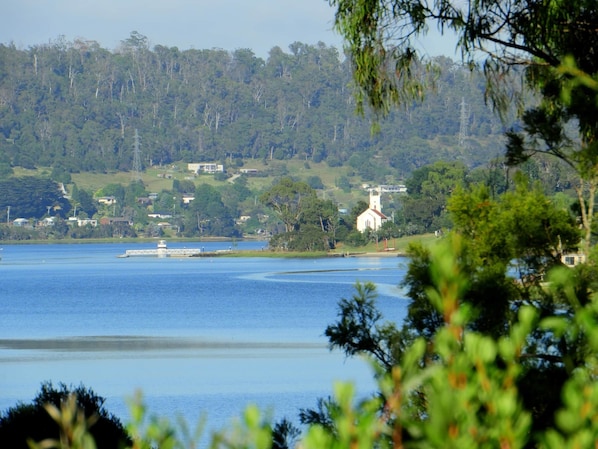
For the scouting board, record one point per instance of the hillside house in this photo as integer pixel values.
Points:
(207, 167)
(187, 198)
(21, 222)
(372, 218)
(107, 200)
(46, 222)
(115, 220)
(249, 171)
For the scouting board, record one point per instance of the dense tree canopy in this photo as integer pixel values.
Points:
(310, 223)
(207, 214)
(381, 37)
(32, 197)
(76, 106)
(288, 199)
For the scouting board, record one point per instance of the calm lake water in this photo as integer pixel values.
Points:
(199, 336)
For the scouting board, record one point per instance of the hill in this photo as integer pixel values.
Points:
(78, 106)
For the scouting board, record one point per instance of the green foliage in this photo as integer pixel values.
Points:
(522, 225)
(251, 432)
(356, 239)
(458, 387)
(287, 198)
(82, 201)
(73, 427)
(389, 230)
(208, 215)
(358, 330)
(310, 223)
(315, 182)
(30, 197)
(284, 435)
(115, 190)
(184, 186)
(60, 175)
(308, 238)
(152, 432)
(382, 37)
(429, 187)
(60, 417)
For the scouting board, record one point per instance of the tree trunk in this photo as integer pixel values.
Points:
(587, 211)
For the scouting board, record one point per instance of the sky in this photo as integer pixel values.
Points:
(199, 24)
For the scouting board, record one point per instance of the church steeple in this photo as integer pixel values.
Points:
(375, 200)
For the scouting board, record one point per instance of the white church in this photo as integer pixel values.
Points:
(372, 218)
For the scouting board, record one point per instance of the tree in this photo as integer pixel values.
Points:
(288, 199)
(284, 435)
(115, 190)
(359, 331)
(429, 188)
(207, 214)
(539, 37)
(82, 201)
(356, 211)
(74, 106)
(22, 422)
(30, 197)
(310, 223)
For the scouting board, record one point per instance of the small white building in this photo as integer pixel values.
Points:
(573, 259)
(81, 222)
(107, 200)
(205, 167)
(397, 188)
(20, 222)
(188, 198)
(372, 218)
(47, 221)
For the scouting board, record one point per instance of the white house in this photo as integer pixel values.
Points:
(20, 222)
(206, 167)
(188, 198)
(372, 218)
(107, 200)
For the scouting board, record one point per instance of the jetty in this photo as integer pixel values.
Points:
(162, 250)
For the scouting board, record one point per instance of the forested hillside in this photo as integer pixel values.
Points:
(76, 105)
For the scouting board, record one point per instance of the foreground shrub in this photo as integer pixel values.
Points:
(56, 411)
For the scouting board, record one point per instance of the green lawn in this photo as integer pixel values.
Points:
(157, 179)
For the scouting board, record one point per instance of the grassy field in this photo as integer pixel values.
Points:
(393, 246)
(157, 179)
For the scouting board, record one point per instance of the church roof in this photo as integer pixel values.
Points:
(376, 212)
(380, 214)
